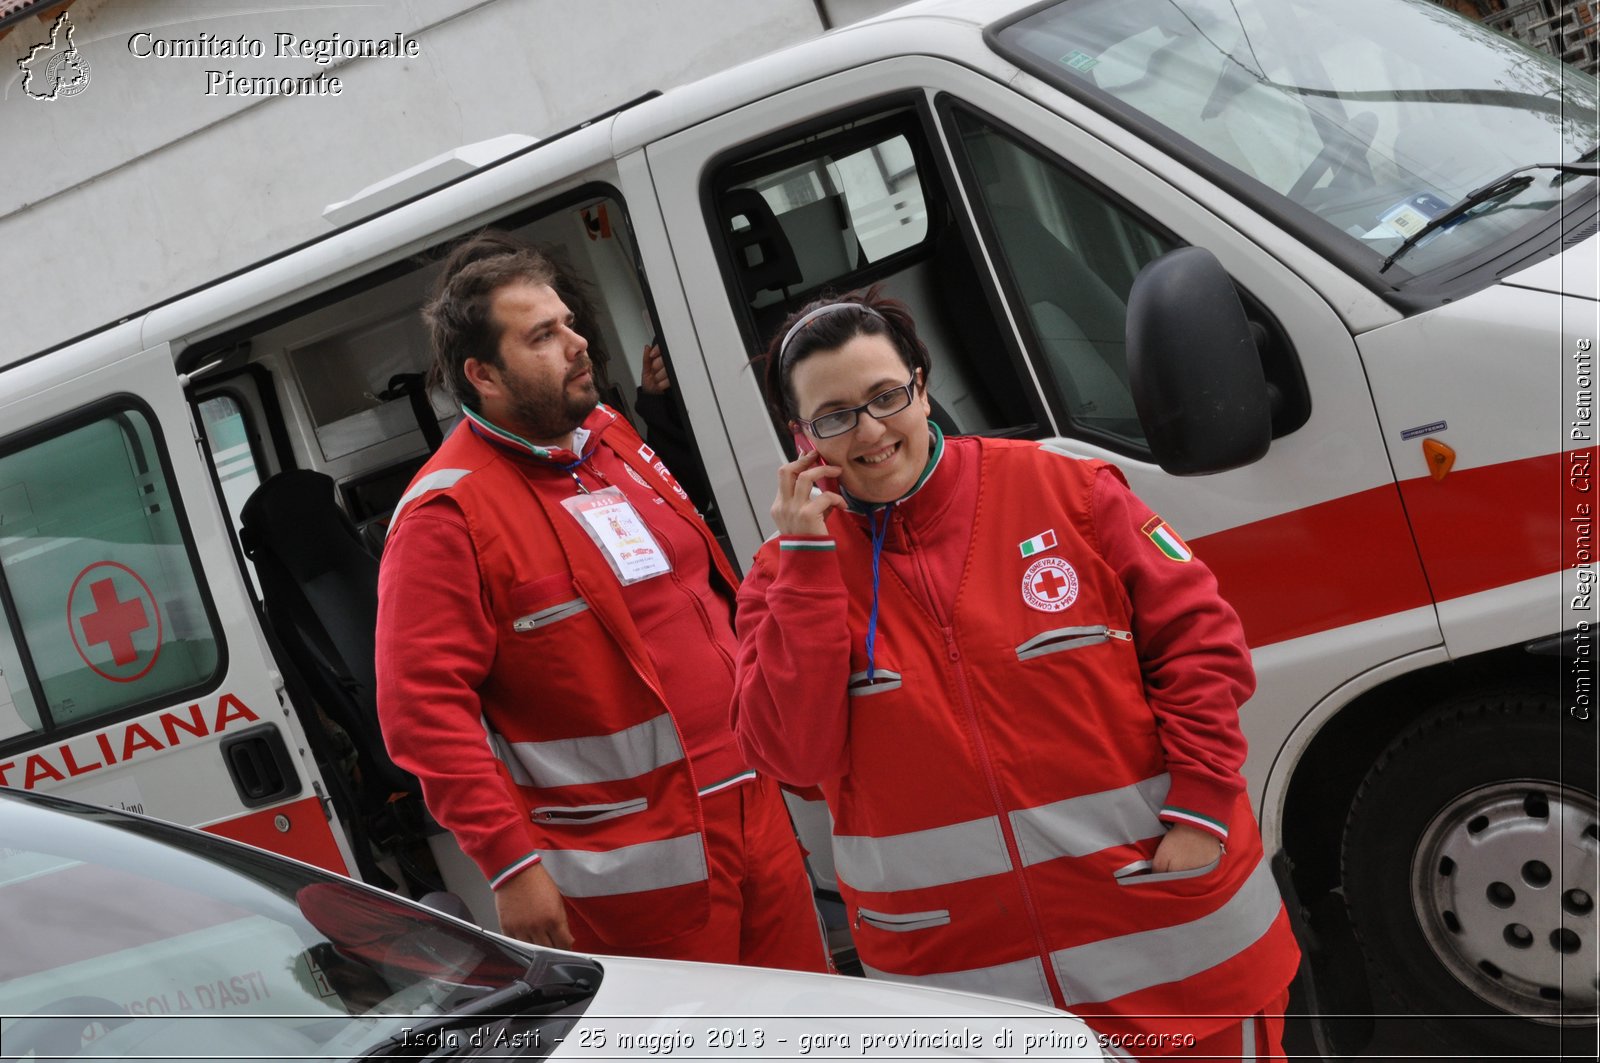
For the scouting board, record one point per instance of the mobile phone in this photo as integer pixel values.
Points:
(803, 446)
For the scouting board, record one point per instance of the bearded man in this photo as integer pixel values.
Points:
(556, 653)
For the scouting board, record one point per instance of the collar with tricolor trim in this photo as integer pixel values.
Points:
(935, 452)
(581, 436)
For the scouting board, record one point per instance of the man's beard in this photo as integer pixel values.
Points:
(544, 414)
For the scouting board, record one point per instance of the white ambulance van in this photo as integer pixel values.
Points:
(1319, 278)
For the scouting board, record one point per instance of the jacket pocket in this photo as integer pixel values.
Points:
(902, 922)
(1138, 873)
(882, 681)
(550, 615)
(1068, 638)
(579, 814)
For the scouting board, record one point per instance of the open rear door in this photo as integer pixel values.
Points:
(132, 669)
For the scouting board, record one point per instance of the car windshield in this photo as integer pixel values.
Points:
(125, 937)
(1371, 116)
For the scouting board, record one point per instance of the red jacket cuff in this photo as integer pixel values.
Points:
(1200, 801)
(501, 875)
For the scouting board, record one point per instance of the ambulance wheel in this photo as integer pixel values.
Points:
(57, 1028)
(1469, 865)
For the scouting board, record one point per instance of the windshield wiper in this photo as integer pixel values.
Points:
(1506, 184)
(508, 1000)
(1575, 167)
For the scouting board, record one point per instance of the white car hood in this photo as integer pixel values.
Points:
(1576, 271)
(790, 1014)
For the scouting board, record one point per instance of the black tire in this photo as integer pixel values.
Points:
(1464, 896)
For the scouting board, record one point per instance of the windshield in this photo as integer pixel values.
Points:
(1372, 116)
(129, 938)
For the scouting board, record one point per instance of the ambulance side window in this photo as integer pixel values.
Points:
(228, 437)
(1068, 252)
(105, 610)
(845, 202)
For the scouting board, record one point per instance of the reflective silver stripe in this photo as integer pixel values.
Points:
(502, 752)
(1021, 980)
(882, 680)
(589, 813)
(631, 869)
(550, 615)
(1247, 1040)
(903, 921)
(1078, 826)
(922, 858)
(1110, 968)
(1062, 638)
(600, 758)
(436, 480)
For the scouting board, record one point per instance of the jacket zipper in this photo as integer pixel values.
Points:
(1013, 851)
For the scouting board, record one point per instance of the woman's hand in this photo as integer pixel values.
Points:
(796, 510)
(1184, 849)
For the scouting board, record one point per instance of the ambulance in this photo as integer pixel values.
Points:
(1320, 279)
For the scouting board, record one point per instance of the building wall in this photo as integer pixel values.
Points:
(1567, 29)
(154, 179)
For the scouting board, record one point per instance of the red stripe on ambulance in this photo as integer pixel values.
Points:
(299, 830)
(1353, 558)
(1335, 563)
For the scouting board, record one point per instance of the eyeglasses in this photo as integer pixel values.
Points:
(880, 406)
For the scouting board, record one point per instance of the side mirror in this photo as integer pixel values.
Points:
(1193, 366)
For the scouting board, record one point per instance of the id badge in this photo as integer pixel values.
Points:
(614, 525)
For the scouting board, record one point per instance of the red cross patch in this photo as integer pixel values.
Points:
(1049, 585)
(115, 622)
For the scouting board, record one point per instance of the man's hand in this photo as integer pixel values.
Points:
(653, 378)
(530, 908)
(1184, 849)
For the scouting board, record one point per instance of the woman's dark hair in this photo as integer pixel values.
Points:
(879, 316)
(457, 313)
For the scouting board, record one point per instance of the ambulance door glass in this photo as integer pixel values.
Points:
(1309, 543)
(860, 202)
(1069, 253)
(228, 434)
(90, 531)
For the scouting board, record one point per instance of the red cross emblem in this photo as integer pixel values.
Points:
(1049, 585)
(111, 609)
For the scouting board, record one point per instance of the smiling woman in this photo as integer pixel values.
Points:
(1053, 724)
(836, 362)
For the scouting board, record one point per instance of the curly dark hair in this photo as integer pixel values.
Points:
(457, 313)
(880, 316)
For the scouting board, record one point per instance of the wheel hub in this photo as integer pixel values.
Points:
(1503, 886)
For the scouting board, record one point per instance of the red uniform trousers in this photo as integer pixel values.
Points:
(762, 914)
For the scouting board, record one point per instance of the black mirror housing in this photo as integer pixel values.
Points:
(1194, 368)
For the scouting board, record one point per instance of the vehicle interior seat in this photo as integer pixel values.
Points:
(319, 586)
(765, 261)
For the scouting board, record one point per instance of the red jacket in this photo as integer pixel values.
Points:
(999, 778)
(559, 698)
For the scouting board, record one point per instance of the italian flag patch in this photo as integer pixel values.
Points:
(1166, 539)
(1038, 543)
